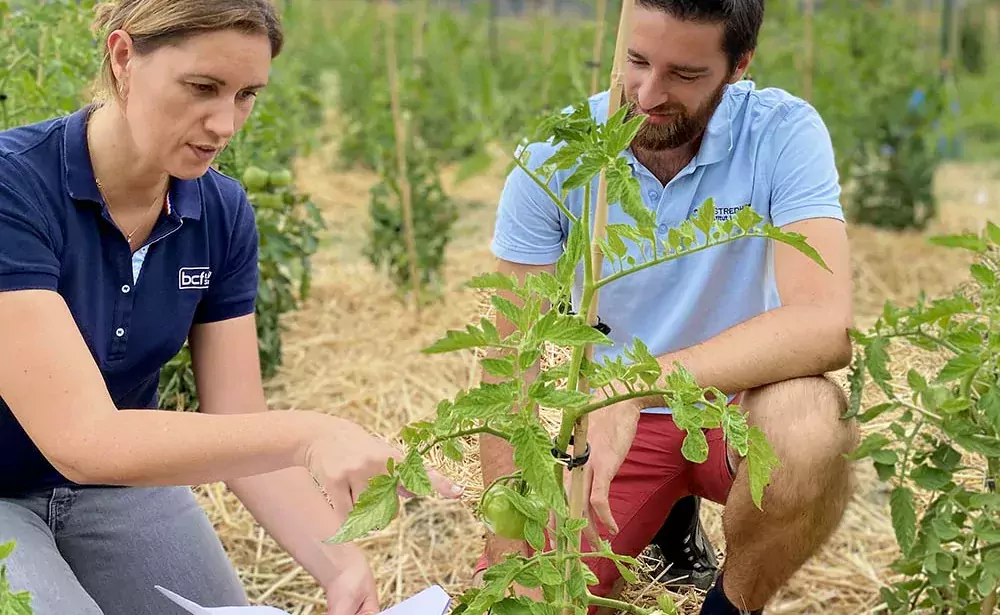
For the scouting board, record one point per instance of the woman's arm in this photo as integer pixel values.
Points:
(286, 503)
(55, 390)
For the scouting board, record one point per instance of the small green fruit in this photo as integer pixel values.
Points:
(281, 179)
(255, 179)
(501, 516)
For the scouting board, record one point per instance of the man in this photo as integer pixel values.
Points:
(756, 319)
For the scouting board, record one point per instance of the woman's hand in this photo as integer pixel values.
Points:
(343, 457)
(352, 591)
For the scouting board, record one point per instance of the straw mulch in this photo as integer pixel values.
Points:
(353, 350)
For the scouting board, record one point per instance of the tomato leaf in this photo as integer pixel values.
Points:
(377, 506)
(761, 462)
(904, 517)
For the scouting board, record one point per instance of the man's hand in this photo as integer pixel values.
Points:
(353, 590)
(610, 432)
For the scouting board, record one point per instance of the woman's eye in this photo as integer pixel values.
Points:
(248, 95)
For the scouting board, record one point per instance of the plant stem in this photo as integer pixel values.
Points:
(669, 257)
(404, 182)
(548, 191)
(466, 432)
(904, 466)
(616, 604)
(620, 398)
(594, 266)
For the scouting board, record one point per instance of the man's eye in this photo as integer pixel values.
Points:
(687, 78)
(636, 61)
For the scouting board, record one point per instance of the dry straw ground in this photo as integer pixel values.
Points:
(353, 350)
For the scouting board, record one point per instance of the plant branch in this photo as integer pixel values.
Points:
(548, 191)
(618, 399)
(669, 257)
(463, 433)
(616, 604)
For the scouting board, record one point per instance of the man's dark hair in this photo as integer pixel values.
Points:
(742, 19)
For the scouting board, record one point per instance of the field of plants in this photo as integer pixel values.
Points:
(374, 161)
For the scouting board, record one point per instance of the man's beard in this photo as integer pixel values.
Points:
(683, 129)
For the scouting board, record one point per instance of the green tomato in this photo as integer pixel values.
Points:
(281, 179)
(268, 201)
(255, 178)
(500, 515)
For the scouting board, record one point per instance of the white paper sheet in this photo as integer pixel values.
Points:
(431, 601)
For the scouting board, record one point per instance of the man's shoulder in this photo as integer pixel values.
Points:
(760, 112)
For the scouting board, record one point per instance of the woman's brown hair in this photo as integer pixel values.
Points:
(155, 23)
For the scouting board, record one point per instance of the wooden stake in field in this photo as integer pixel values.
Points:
(400, 128)
(595, 67)
(810, 46)
(577, 502)
(548, 23)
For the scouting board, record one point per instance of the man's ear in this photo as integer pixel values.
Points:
(741, 67)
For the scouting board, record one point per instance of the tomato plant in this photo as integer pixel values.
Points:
(434, 215)
(941, 450)
(522, 504)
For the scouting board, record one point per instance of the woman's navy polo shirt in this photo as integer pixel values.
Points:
(134, 311)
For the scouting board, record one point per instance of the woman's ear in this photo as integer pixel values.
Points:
(121, 51)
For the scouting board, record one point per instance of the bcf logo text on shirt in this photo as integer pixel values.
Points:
(194, 277)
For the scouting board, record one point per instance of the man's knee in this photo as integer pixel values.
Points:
(802, 419)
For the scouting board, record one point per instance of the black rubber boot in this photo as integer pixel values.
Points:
(682, 553)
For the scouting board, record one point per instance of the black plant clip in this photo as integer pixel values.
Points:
(572, 462)
(602, 326)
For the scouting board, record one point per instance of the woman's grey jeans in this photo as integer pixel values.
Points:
(101, 551)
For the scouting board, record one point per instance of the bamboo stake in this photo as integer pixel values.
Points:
(595, 67)
(957, 12)
(404, 182)
(577, 502)
(40, 76)
(548, 13)
(419, 23)
(807, 68)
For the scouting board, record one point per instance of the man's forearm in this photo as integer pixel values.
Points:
(781, 344)
(292, 509)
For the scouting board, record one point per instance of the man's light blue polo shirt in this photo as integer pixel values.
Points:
(762, 147)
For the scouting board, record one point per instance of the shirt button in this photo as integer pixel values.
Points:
(652, 194)
(663, 229)
(126, 288)
(119, 332)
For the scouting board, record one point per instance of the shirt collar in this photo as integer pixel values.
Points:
(78, 173)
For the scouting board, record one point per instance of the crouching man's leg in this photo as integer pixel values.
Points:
(805, 501)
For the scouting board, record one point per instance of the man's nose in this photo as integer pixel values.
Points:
(652, 95)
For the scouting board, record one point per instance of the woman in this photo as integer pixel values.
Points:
(117, 243)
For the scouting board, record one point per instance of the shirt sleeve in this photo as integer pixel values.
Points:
(27, 255)
(805, 181)
(528, 227)
(233, 290)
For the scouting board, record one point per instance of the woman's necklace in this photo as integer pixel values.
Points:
(157, 200)
(100, 187)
